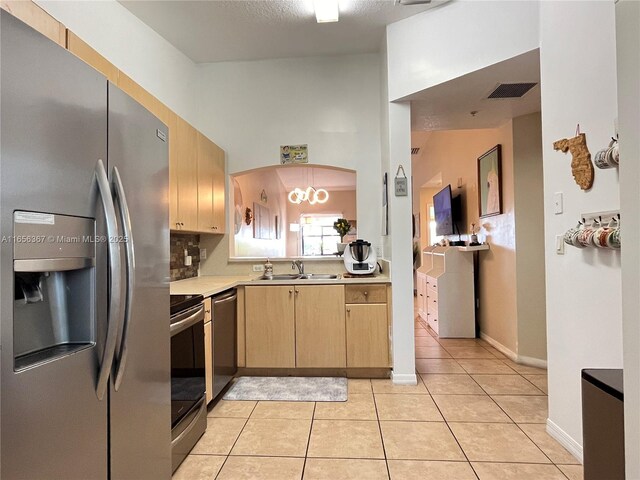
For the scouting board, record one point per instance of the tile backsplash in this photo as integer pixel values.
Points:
(179, 243)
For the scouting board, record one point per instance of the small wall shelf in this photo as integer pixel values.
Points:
(474, 248)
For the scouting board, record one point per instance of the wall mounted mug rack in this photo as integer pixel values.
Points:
(596, 229)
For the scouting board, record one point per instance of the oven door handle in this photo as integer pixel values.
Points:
(187, 319)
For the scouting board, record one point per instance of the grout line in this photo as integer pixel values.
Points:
(306, 452)
(236, 440)
(384, 450)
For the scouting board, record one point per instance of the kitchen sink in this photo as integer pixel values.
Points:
(297, 276)
(282, 276)
(319, 276)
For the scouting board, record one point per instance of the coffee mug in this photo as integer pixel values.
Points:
(613, 240)
(585, 238)
(600, 159)
(571, 236)
(601, 235)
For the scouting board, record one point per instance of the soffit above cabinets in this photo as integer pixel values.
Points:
(234, 30)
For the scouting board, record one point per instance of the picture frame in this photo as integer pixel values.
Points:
(490, 182)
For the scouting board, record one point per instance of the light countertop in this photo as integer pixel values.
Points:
(208, 285)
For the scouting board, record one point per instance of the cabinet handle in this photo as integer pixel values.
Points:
(421, 295)
(297, 291)
(177, 224)
(348, 310)
(366, 293)
(290, 292)
(181, 224)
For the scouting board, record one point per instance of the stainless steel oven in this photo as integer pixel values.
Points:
(188, 405)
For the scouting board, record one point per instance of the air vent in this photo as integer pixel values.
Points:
(415, 150)
(511, 90)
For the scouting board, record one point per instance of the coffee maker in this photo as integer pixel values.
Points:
(360, 258)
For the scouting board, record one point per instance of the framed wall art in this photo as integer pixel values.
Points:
(490, 182)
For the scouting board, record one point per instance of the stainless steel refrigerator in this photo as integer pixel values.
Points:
(84, 289)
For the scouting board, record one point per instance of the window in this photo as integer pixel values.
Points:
(318, 235)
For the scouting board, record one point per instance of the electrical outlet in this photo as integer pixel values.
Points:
(258, 268)
(203, 254)
(187, 261)
(379, 251)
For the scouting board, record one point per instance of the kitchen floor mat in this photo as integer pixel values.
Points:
(292, 389)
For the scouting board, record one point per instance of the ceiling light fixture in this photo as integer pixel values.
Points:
(326, 10)
(311, 195)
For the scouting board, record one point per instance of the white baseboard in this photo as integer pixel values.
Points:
(565, 440)
(532, 362)
(498, 346)
(521, 359)
(404, 378)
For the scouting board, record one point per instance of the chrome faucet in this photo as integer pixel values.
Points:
(299, 265)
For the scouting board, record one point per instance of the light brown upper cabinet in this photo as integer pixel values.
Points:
(36, 18)
(219, 195)
(210, 186)
(186, 163)
(82, 50)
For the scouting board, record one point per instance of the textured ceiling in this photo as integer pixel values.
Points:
(447, 106)
(224, 30)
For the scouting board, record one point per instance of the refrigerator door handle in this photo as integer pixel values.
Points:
(125, 220)
(115, 279)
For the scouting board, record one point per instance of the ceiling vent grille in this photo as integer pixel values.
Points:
(511, 90)
(415, 150)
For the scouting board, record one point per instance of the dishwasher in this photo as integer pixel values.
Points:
(224, 339)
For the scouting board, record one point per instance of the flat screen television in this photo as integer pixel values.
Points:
(443, 211)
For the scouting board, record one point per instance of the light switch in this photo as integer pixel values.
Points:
(203, 254)
(560, 244)
(557, 203)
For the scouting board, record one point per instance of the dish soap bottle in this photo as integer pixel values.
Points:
(268, 269)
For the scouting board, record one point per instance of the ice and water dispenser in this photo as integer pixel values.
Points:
(54, 286)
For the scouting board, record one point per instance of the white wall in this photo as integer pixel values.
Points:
(628, 59)
(460, 37)
(330, 103)
(133, 47)
(584, 326)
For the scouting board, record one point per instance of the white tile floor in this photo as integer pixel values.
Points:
(473, 415)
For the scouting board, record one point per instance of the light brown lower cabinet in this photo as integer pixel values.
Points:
(367, 335)
(320, 328)
(270, 326)
(310, 326)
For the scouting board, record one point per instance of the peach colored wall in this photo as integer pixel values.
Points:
(251, 186)
(454, 153)
(341, 202)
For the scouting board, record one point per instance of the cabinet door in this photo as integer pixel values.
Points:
(172, 123)
(367, 336)
(270, 326)
(219, 191)
(208, 361)
(206, 159)
(186, 139)
(83, 51)
(320, 328)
